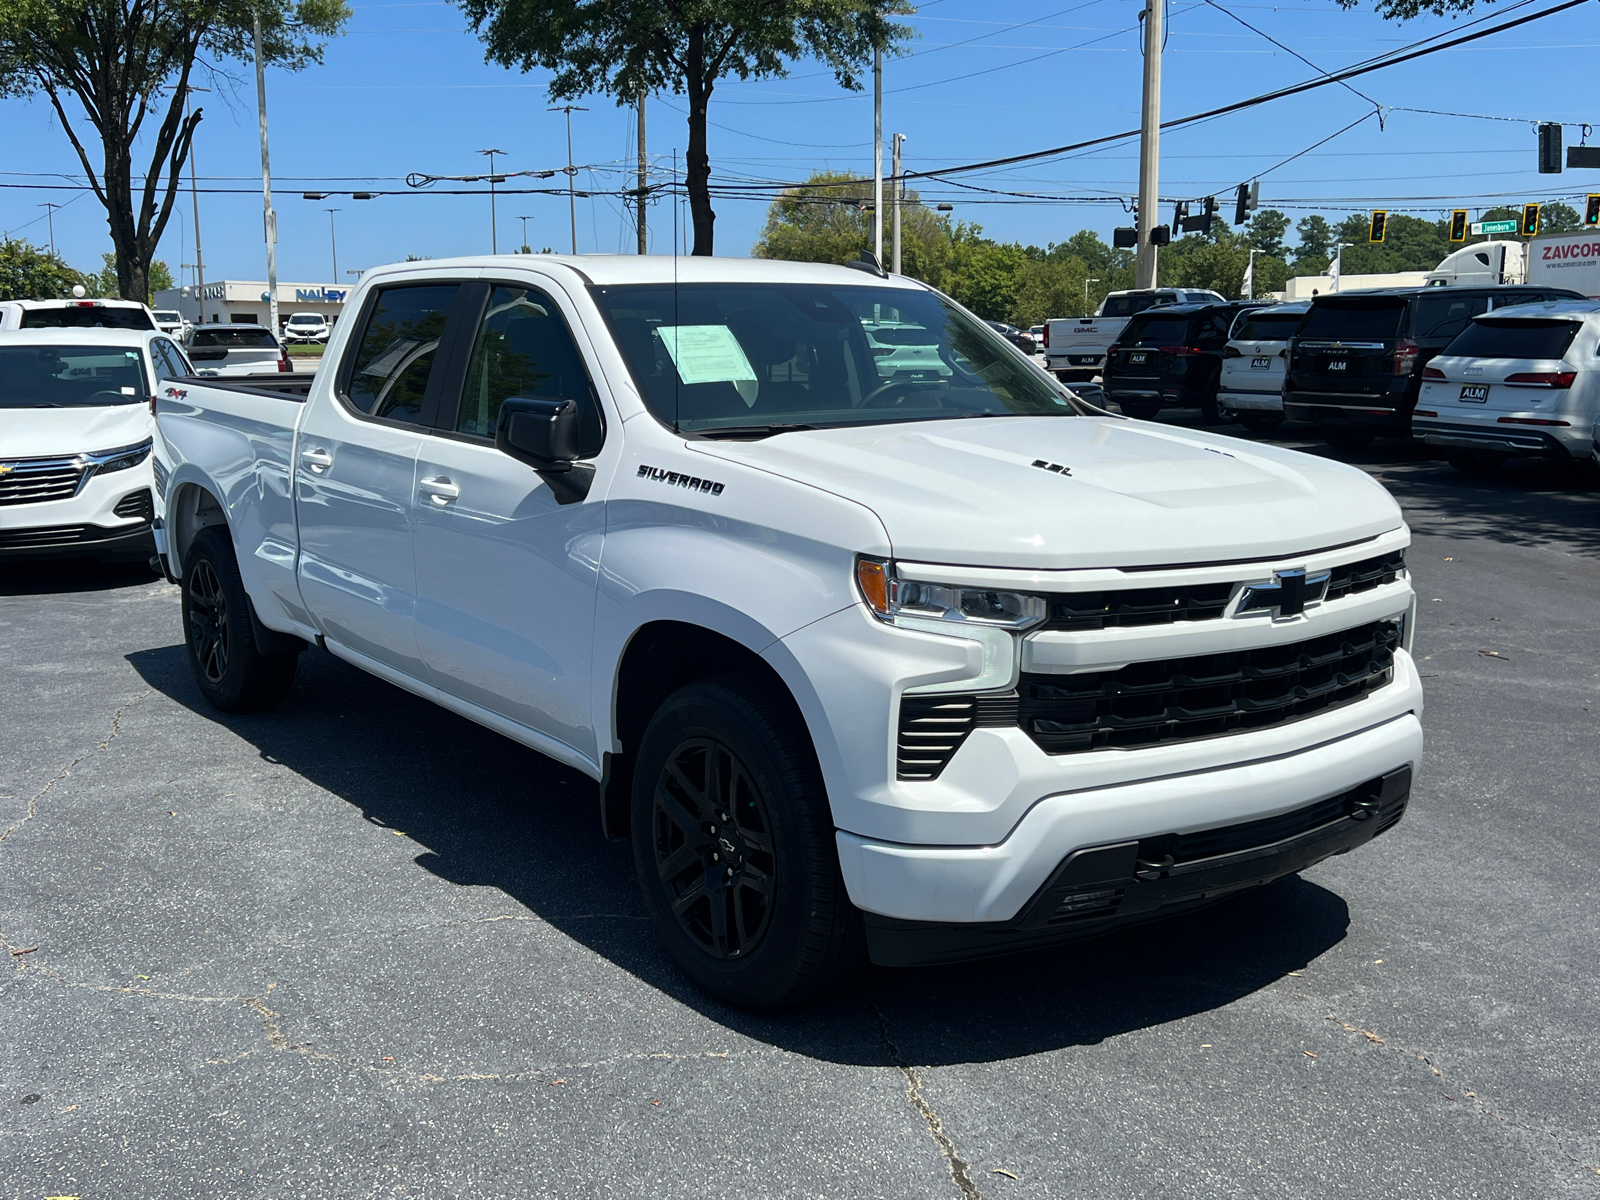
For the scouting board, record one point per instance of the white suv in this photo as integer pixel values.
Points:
(1250, 387)
(75, 314)
(1518, 382)
(306, 327)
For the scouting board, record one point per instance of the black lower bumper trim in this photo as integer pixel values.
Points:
(1102, 887)
(92, 541)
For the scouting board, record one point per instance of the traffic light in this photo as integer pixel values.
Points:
(1591, 212)
(1161, 235)
(1180, 213)
(1211, 211)
(1530, 220)
(1380, 219)
(1458, 224)
(1549, 148)
(1241, 206)
(1124, 237)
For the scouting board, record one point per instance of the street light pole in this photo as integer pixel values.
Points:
(333, 240)
(1150, 144)
(527, 246)
(1086, 284)
(50, 222)
(269, 218)
(194, 195)
(572, 199)
(494, 223)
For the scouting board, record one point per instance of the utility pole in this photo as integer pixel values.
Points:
(899, 195)
(333, 240)
(270, 218)
(194, 195)
(1150, 143)
(50, 222)
(877, 155)
(494, 224)
(644, 242)
(572, 200)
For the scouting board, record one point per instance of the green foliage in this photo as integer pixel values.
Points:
(28, 272)
(103, 283)
(128, 63)
(624, 48)
(825, 220)
(1553, 218)
(1266, 231)
(1315, 244)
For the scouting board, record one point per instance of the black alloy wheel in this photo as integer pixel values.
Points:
(733, 845)
(713, 848)
(228, 666)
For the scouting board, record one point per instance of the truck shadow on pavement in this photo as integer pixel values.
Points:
(52, 577)
(491, 813)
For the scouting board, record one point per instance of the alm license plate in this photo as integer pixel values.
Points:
(1137, 358)
(1478, 392)
(1337, 364)
(1261, 362)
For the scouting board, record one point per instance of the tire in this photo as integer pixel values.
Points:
(1260, 422)
(231, 672)
(1342, 437)
(1475, 462)
(776, 929)
(1139, 412)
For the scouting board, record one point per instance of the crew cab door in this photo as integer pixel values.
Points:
(355, 470)
(507, 559)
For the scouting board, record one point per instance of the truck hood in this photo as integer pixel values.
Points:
(986, 491)
(62, 432)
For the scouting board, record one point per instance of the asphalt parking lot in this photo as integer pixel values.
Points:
(359, 947)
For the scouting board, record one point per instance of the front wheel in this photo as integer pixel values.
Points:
(230, 670)
(734, 848)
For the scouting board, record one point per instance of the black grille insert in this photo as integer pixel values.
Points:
(136, 504)
(932, 728)
(1202, 696)
(1197, 602)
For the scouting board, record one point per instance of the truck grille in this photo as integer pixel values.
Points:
(1197, 602)
(1182, 699)
(35, 480)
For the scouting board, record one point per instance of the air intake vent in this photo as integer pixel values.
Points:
(136, 504)
(931, 730)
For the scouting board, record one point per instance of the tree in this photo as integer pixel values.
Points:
(1266, 231)
(1051, 287)
(1553, 218)
(1316, 243)
(104, 283)
(30, 273)
(825, 220)
(626, 48)
(127, 62)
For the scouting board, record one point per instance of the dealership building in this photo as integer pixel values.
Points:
(244, 302)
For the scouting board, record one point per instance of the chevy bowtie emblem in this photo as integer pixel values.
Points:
(1286, 596)
(5, 470)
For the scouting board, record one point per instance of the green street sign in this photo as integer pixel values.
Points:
(1499, 226)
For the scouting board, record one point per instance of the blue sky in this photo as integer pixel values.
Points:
(407, 90)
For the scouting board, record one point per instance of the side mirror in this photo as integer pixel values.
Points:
(541, 433)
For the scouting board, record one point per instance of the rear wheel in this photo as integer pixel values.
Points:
(231, 672)
(1475, 462)
(733, 845)
(1260, 422)
(1343, 437)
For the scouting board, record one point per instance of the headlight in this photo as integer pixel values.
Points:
(105, 461)
(890, 597)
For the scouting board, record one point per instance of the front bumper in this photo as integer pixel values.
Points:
(109, 517)
(1491, 436)
(1100, 887)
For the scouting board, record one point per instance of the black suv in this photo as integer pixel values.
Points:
(1172, 356)
(1355, 363)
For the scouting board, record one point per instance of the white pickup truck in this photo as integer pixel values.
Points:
(911, 654)
(1075, 347)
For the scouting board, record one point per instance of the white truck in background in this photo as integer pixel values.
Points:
(1566, 260)
(1075, 347)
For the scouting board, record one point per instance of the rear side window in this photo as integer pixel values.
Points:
(1156, 331)
(1356, 322)
(1264, 327)
(1514, 339)
(523, 348)
(92, 316)
(234, 337)
(1444, 316)
(169, 362)
(395, 353)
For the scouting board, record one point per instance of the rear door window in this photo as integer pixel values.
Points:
(1513, 339)
(86, 316)
(394, 355)
(1354, 322)
(234, 337)
(1265, 327)
(169, 362)
(1444, 316)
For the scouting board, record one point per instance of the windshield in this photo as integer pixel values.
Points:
(726, 357)
(251, 337)
(1513, 339)
(1155, 331)
(171, 318)
(302, 319)
(1370, 322)
(1268, 327)
(71, 376)
(86, 316)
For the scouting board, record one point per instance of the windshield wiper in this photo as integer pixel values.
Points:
(752, 432)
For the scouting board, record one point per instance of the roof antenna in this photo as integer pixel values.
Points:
(677, 339)
(869, 263)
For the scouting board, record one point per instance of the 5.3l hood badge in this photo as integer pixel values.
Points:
(1286, 596)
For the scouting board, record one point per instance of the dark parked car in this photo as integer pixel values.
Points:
(1022, 341)
(1171, 357)
(1355, 363)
